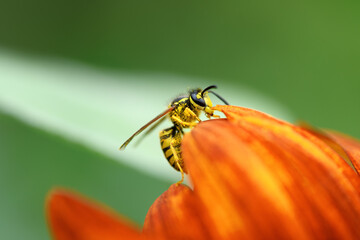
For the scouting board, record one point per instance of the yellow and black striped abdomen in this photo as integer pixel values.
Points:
(170, 141)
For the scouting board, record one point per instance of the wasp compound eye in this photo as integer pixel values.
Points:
(198, 101)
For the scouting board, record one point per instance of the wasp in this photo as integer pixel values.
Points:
(184, 113)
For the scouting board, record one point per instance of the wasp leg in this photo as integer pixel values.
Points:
(176, 158)
(214, 116)
(188, 110)
(190, 124)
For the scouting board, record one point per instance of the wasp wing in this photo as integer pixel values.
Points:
(122, 147)
(148, 131)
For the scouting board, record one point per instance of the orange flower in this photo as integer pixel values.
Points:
(254, 177)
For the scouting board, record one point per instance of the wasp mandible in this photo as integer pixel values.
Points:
(183, 111)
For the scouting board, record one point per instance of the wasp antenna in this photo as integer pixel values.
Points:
(206, 89)
(218, 96)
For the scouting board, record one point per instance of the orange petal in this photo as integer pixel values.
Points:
(176, 214)
(261, 178)
(72, 217)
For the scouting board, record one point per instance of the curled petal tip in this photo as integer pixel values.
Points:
(350, 145)
(346, 147)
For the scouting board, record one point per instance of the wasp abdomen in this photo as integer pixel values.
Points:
(170, 141)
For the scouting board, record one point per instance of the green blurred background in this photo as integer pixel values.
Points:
(303, 57)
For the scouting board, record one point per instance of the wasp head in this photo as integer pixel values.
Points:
(200, 100)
